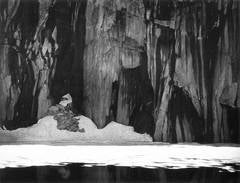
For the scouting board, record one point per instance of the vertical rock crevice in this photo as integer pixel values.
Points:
(37, 52)
(203, 71)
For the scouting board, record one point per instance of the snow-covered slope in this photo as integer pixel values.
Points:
(46, 130)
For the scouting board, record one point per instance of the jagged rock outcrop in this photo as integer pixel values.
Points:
(28, 61)
(34, 73)
(64, 116)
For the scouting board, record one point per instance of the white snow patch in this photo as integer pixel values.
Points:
(66, 99)
(46, 130)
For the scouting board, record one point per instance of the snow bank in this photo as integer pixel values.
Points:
(46, 130)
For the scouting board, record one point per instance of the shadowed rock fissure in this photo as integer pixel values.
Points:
(168, 68)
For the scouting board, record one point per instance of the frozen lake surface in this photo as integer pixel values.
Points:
(148, 155)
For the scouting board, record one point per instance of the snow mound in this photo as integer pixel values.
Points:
(118, 132)
(86, 123)
(46, 130)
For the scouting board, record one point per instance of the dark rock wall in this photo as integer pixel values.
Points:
(197, 48)
(168, 68)
(41, 52)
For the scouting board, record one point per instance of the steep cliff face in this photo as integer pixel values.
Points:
(199, 95)
(114, 70)
(17, 74)
(39, 57)
(168, 68)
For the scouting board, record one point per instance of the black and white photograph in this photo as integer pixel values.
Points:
(117, 91)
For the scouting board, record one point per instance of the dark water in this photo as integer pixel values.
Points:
(81, 173)
(136, 163)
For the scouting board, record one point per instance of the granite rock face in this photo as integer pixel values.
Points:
(193, 61)
(168, 68)
(115, 34)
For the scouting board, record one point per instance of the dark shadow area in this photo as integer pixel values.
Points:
(233, 125)
(182, 110)
(78, 173)
(142, 115)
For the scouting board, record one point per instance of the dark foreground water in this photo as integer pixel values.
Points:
(80, 173)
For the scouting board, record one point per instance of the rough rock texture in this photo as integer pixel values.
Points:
(115, 32)
(35, 50)
(65, 118)
(168, 68)
(193, 56)
(26, 59)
